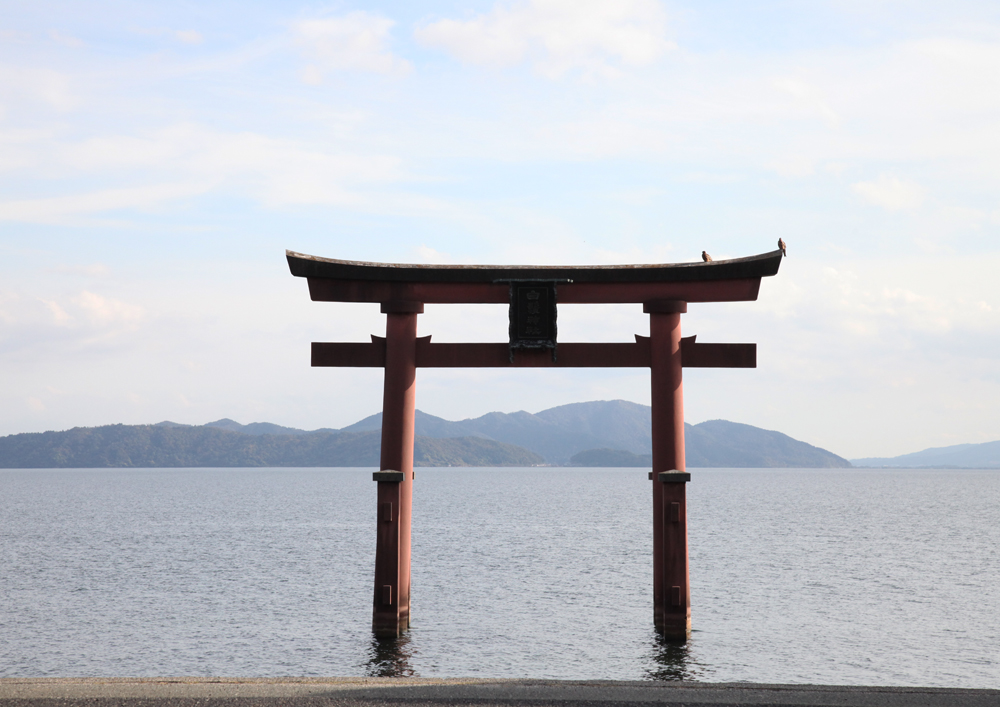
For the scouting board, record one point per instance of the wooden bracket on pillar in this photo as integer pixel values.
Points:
(665, 306)
(674, 477)
(390, 476)
(402, 308)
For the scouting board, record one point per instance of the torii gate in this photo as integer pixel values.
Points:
(531, 292)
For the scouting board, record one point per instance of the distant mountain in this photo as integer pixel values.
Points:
(561, 433)
(962, 456)
(260, 428)
(722, 444)
(610, 457)
(719, 443)
(599, 433)
(469, 451)
(557, 433)
(209, 446)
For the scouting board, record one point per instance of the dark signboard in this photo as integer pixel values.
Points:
(532, 315)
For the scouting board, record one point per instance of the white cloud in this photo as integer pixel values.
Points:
(426, 254)
(890, 193)
(8, 300)
(556, 35)
(65, 39)
(64, 209)
(59, 315)
(869, 303)
(793, 166)
(10, 35)
(37, 84)
(842, 344)
(85, 309)
(17, 147)
(196, 161)
(105, 311)
(92, 270)
(354, 42)
(809, 96)
(189, 36)
(69, 321)
(312, 75)
(889, 104)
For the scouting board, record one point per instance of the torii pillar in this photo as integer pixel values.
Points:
(671, 578)
(391, 610)
(531, 293)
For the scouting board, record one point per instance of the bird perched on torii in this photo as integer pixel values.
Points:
(706, 257)
(781, 244)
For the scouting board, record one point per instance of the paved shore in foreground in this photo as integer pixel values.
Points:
(429, 692)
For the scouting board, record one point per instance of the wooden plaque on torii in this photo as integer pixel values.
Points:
(533, 294)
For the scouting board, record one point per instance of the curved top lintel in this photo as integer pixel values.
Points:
(752, 267)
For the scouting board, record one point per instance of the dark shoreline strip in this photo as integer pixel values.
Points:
(372, 692)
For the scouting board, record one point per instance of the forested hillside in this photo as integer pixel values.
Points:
(599, 433)
(183, 446)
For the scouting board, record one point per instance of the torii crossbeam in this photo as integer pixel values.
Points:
(532, 293)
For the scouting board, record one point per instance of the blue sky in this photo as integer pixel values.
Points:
(156, 159)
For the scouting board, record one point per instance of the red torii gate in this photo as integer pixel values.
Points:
(532, 292)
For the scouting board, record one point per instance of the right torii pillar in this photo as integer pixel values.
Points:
(671, 578)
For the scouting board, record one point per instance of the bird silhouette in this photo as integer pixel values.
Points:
(706, 257)
(781, 244)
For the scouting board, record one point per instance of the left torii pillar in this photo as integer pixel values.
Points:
(391, 611)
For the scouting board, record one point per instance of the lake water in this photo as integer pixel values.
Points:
(798, 576)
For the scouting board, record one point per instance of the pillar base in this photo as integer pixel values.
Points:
(674, 627)
(390, 626)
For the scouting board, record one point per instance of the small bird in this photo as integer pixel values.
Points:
(706, 257)
(781, 244)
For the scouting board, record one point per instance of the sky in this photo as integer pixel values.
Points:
(156, 160)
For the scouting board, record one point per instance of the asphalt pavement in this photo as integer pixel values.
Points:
(428, 692)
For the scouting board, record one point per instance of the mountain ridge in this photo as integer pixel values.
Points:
(609, 430)
(185, 446)
(984, 455)
(561, 432)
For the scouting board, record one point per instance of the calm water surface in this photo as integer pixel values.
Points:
(818, 576)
